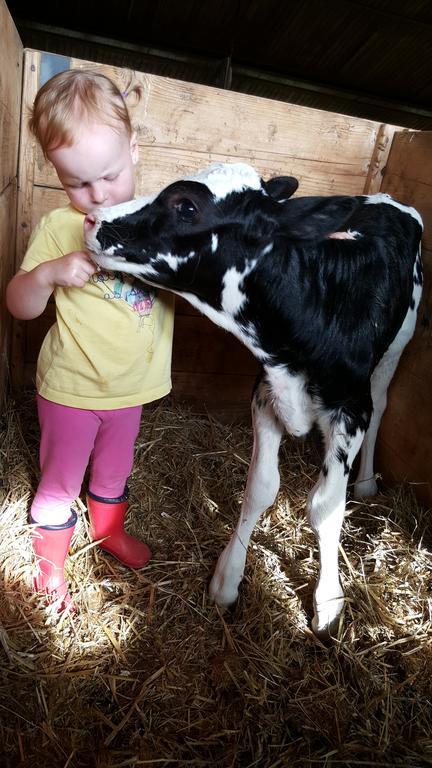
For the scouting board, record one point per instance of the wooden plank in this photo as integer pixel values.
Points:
(410, 156)
(25, 205)
(10, 96)
(8, 200)
(404, 449)
(45, 199)
(183, 307)
(10, 115)
(26, 155)
(379, 159)
(183, 126)
(201, 346)
(227, 396)
(159, 166)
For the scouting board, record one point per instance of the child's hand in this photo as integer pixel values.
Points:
(28, 292)
(74, 269)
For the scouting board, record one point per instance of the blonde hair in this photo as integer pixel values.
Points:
(70, 98)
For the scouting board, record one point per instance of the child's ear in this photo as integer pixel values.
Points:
(134, 148)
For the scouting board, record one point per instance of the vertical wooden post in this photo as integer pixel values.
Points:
(379, 159)
(25, 202)
(10, 110)
(404, 450)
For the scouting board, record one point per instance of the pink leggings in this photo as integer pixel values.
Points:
(70, 439)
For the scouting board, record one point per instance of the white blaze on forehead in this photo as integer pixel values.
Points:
(382, 197)
(122, 209)
(224, 178)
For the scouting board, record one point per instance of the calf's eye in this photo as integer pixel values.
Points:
(186, 210)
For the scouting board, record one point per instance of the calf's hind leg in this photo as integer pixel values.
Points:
(261, 489)
(365, 483)
(325, 510)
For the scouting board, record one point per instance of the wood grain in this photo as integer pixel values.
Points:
(10, 115)
(404, 450)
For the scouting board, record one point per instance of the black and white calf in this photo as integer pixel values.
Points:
(327, 319)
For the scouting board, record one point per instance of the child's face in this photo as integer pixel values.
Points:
(98, 169)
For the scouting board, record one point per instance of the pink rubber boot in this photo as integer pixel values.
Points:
(107, 522)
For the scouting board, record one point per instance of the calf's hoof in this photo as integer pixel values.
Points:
(363, 489)
(326, 620)
(222, 593)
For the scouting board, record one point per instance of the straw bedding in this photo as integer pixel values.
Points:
(149, 673)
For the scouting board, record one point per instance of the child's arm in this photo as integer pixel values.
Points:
(28, 292)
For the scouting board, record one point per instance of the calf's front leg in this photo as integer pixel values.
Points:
(261, 489)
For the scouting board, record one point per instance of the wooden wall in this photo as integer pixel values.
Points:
(404, 450)
(10, 109)
(183, 126)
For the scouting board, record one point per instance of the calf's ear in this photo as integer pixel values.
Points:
(281, 187)
(313, 218)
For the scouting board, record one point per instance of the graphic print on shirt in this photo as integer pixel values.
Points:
(125, 287)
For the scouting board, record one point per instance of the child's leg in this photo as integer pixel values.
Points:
(111, 465)
(67, 439)
(113, 453)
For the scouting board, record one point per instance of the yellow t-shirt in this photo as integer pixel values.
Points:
(111, 345)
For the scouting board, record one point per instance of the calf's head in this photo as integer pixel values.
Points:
(168, 234)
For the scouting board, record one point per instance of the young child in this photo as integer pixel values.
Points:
(110, 348)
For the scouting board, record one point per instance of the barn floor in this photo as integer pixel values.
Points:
(149, 673)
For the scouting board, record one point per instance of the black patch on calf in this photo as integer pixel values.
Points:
(260, 391)
(342, 457)
(418, 273)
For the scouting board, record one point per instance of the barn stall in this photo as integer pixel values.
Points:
(149, 672)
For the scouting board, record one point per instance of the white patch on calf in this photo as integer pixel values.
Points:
(382, 197)
(122, 209)
(224, 178)
(233, 297)
(291, 402)
(111, 250)
(214, 242)
(261, 489)
(267, 249)
(173, 261)
(119, 264)
(325, 512)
